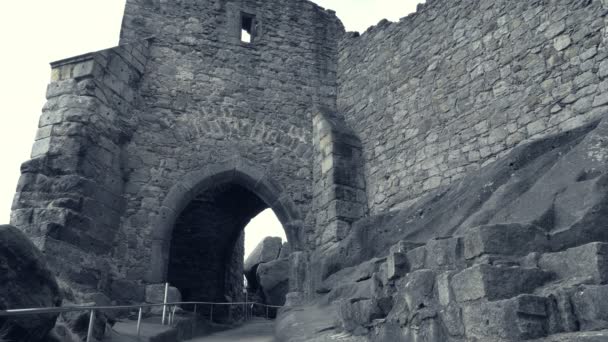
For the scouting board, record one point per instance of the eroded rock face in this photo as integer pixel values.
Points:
(557, 184)
(267, 250)
(517, 251)
(268, 271)
(25, 282)
(273, 278)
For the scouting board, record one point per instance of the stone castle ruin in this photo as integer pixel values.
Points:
(442, 178)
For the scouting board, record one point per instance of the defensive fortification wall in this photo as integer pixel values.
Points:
(459, 83)
(325, 128)
(212, 104)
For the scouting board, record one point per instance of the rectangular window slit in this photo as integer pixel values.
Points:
(247, 27)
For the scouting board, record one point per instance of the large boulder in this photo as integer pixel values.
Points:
(155, 294)
(273, 279)
(25, 282)
(267, 250)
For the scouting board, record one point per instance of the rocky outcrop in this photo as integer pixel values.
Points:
(25, 282)
(155, 294)
(267, 271)
(267, 250)
(273, 279)
(517, 251)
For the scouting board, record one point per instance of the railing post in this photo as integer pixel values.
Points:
(165, 303)
(211, 313)
(267, 312)
(194, 323)
(139, 322)
(91, 323)
(172, 317)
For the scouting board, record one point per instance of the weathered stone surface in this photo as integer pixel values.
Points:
(587, 336)
(156, 294)
(590, 307)
(520, 318)
(589, 262)
(267, 250)
(285, 250)
(273, 278)
(418, 289)
(25, 282)
(357, 314)
(505, 239)
(492, 283)
(396, 265)
(76, 323)
(152, 156)
(445, 253)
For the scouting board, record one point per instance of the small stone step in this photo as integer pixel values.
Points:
(495, 282)
(504, 239)
(396, 265)
(585, 336)
(589, 262)
(437, 254)
(149, 332)
(521, 318)
(590, 304)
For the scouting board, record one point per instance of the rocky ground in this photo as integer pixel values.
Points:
(513, 252)
(26, 283)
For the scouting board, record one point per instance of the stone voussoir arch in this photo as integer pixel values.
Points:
(238, 171)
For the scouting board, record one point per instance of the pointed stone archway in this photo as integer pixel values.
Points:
(197, 237)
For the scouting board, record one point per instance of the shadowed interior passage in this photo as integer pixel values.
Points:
(207, 247)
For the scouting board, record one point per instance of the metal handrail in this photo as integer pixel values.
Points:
(165, 304)
(60, 309)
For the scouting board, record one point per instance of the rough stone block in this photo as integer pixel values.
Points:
(493, 283)
(273, 279)
(357, 314)
(588, 261)
(504, 239)
(156, 294)
(445, 254)
(404, 246)
(416, 258)
(396, 265)
(418, 289)
(444, 288)
(41, 147)
(294, 299)
(560, 310)
(267, 250)
(335, 230)
(562, 42)
(83, 69)
(591, 307)
(127, 290)
(520, 318)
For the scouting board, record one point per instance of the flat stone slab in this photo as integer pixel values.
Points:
(493, 283)
(257, 330)
(149, 332)
(589, 261)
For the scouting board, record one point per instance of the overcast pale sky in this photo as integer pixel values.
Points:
(36, 32)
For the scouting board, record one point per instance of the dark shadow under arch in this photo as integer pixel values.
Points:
(236, 172)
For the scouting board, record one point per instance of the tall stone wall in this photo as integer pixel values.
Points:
(459, 83)
(211, 100)
(69, 197)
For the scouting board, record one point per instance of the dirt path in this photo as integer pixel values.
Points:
(254, 331)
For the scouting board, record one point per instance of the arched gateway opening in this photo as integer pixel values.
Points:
(199, 241)
(207, 248)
